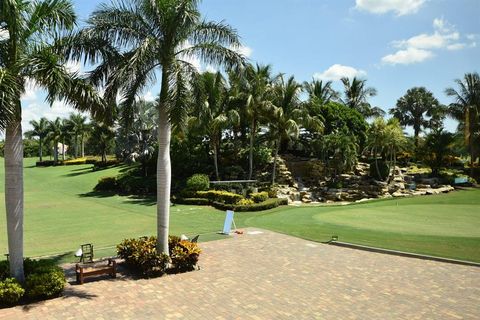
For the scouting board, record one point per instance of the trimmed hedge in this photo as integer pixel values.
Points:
(265, 205)
(193, 201)
(258, 197)
(74, 162)
(45, 163)
(220, 196)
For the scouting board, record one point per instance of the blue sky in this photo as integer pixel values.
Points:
(394, 44)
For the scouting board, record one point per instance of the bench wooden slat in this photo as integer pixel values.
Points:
(83, 271)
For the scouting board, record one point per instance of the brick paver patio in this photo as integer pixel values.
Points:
(274, 276)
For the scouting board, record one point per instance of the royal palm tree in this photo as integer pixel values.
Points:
(286, 115)
(466, 109)
(256, 91)
(25, 53)
(356, 95)
(55, 134)
(79, 128)
(40, 130)
(417, 108)
(133, 41)
(103, 135)
(210, 112)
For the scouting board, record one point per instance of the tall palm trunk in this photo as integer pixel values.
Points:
(63, 149)
(55, 151)
(215, 160)
(14, 197)
(250, 157)
(76, 146)
(275, 160)
(40, 151)
(164, 172)
(83, 145)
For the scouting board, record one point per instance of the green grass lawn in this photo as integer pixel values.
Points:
(61, 213)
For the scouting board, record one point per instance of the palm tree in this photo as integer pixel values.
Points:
(395, 141)
(466, 109)
(286, 114)
(356, 97)
(66, 133)
(414, 109)
(79, 128)
(55, 134)
(25, 53)
(103, 136)
(211, 116)
(320, 93)
(256, 93)
(159, 36)
(40, 130)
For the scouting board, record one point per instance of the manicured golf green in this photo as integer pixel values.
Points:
(61, 213)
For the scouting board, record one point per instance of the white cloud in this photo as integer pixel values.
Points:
(408, 56)
(243, 50)
(210, 68)
(35, 111)
(420, 47)
(149, 96)
(399, 7)
(338, 71)
(31, 91)
(456, 46)
(472, 36)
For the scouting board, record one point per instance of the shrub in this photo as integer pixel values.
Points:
(193, 201)
(131, 182)
(172, 243)
(185, 255)
(220, 196)
(245, 202)
(198, 182)
(106, 184)
(259, 196)
(45, 163)
(4, 270)
(268, 204)
(47, 282)
(75, 161)
(10, 291)
(141, 256)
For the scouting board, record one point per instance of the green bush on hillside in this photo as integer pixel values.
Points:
(198, 182)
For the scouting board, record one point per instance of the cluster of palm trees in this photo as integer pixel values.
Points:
(419, 109)
(254, 103)
(72, 131)
(130, 45)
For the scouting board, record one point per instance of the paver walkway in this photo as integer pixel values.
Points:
(274, 276)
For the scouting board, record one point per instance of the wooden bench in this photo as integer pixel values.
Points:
(93, 269)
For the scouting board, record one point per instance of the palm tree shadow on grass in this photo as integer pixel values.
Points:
(145, 200)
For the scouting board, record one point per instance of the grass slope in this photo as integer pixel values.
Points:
(61, 212)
